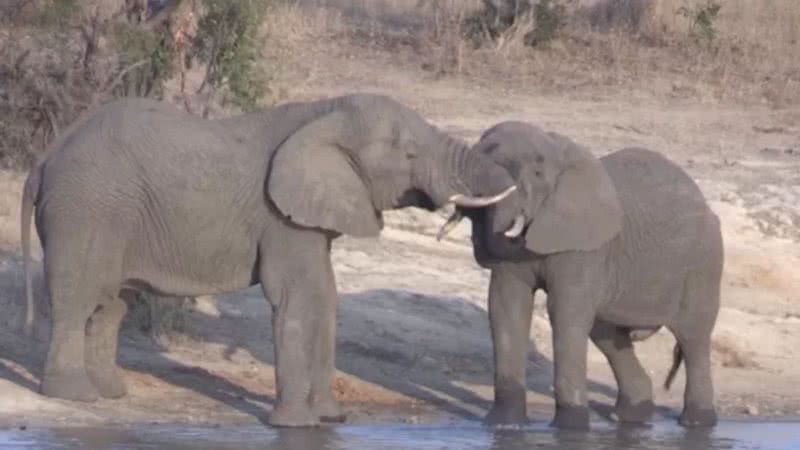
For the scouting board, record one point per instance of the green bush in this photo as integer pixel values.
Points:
(495, 18)
(701, 19)
(549, 17)
(60, 57)
(489, 23)
(227, 41)
(149, 54)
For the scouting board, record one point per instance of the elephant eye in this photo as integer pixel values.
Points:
(538, 173)
(513, 168)
(491, 148)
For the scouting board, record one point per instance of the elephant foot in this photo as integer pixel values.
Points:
(109, 385)
(507, 415)
(628, 412)
(329, 410)
(293, 416)
(69, 386)
(571, 417)
(694, 417)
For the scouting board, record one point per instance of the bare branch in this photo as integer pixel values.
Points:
(118, 79)
(53, 122)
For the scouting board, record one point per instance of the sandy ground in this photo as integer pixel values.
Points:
(413, 342)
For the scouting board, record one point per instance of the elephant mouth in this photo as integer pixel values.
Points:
(513, 232)
(417, 198)
(491, 248)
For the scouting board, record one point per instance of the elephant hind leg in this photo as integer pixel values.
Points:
(692, 329)
(79, 269)
(635, 397)
(64, 369)
(102, 337)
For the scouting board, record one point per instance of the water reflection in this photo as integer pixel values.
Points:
(661, 436)
(317, 439)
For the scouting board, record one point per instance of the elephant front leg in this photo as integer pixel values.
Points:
(571, 317)
(297, 279)
(293, 348)
(323, 363)
(510, 309)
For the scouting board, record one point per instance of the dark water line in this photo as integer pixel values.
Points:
(730, 434)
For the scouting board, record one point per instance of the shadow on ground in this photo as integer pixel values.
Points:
(424, 347)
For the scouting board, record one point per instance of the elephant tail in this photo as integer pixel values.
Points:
(677, 358)
(29, 194)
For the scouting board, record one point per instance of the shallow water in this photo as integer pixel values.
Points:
(781, 435)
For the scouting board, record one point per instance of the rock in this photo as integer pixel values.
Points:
(751, 409)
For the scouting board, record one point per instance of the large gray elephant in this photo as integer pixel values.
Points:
(141, 196)
(621, 245)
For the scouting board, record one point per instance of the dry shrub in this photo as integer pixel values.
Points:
(728, 353)
(649, 44)
(162, 319)
(61, 58)
(632, 16)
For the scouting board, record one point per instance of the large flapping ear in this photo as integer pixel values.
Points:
(313, 181)
(582, 212)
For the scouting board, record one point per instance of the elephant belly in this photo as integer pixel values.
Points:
(650, 302)
(199, 265)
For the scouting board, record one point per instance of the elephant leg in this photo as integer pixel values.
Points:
(72, 300)
(693, 331)
(571, 317)
(635, 396)
(102, 337)
(323, 363)
(82, 271)
(297, 289)
(698, 399)
(510, 310)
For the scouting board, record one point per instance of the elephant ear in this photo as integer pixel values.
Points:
(314, 182)
(582, 212)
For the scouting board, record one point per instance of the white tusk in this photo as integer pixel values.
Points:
(448, 226)
(516, 227)
(467, 201)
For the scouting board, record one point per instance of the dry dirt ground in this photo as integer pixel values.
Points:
(413, 342)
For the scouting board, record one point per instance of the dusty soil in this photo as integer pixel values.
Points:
(413, 341)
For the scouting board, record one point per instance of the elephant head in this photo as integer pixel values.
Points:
(361, 154)
(565, 199)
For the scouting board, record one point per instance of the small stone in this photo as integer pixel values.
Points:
(751, 409)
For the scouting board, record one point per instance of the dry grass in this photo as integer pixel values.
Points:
(11, 189)
(755, 56)
(728, 353)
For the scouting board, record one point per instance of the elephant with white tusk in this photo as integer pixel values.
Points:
(138, 195)
(622, 245)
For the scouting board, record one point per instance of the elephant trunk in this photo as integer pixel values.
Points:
(472, 180)
(478, 182)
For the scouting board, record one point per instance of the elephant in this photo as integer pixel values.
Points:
(140, 196)
(622, 245)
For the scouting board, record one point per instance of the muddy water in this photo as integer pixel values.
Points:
(728, 435)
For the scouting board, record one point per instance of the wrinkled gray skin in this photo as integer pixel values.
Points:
(141, 196)
(622, 245)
